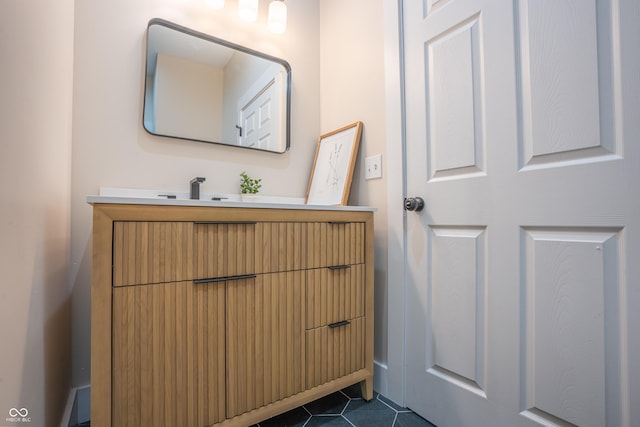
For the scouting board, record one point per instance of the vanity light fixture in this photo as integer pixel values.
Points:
(248, 10)
(215, 4)
(277, 22)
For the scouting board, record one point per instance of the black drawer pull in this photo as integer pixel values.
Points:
(338, 222)
(224, 279)
(338, 324)
(338, 267)
(225, 222)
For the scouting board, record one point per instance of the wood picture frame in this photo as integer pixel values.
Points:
(333, 165)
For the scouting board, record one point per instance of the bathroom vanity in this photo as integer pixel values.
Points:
(222, 313)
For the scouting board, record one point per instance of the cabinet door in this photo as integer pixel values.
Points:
(265, 340)
(168, 355)
(152, 252)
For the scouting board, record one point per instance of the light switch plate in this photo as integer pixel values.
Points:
(373, 167)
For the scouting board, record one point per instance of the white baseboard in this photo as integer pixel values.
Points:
(78, 407)
(68, 409)
(380, 378)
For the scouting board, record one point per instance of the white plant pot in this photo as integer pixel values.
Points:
(248, 197)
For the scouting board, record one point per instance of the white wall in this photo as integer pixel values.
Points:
(36, 76)
(110, 147)
(187, 98)
(352, 83)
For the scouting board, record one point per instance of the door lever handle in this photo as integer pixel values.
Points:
(413, 204)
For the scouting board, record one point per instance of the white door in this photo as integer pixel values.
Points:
(523, 268)
(257, 120)
(261, 112)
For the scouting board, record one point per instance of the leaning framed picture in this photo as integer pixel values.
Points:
(332, 171)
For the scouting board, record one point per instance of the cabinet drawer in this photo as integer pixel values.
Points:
(147, 252)
(282, 246)
(334, 243)
(224, 249)
(334, 294)
(333, 352)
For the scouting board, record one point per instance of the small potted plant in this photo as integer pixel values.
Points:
(249, 187)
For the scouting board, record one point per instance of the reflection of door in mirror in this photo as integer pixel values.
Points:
(201, 88)
(257, 109)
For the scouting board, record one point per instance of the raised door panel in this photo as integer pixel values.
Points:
(457, 310)
(168, 355)
(334, 295)
(572, 298)
(456, 143)
(152, 252)
(334, 351)
(567, 107)
(265, 340)
(224, 249)
(334, 243)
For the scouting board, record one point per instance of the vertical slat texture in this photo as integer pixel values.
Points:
(334, 295)
(181, 354)
(225, 249)
(167, 366)
(157, 361)
(279, 246)
(263, 340)
(200, 355)
(334, 244)
(335, 352)
(152, 252)
(142, 295)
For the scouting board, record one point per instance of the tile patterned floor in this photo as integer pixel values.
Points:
(347, 409)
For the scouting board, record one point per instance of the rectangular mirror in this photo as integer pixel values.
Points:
(202, 88)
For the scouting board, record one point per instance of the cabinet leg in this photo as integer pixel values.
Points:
(366, 389)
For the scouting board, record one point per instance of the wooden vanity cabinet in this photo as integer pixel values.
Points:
(227, 316)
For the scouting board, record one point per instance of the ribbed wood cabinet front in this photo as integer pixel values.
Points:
(152, 252)
(265, 340)
(222, 316)
(168, 355)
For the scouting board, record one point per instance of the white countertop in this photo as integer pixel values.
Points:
(151, 197)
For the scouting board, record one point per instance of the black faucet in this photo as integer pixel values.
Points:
(195, 187)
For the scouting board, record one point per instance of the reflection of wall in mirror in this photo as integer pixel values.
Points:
(187, 99)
